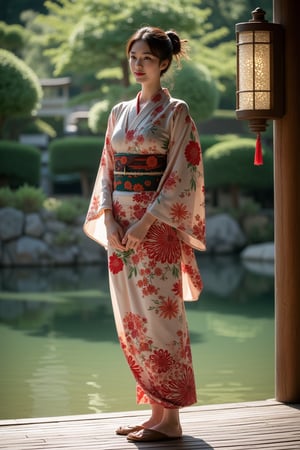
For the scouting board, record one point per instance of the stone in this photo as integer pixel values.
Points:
(259, 252)
(11, 223)
(224, 234)
(39, 239)
(259, 258)
(65, 255)
(34, 225)
(55, 226)
(26, 251)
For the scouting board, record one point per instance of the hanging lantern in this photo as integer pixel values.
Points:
(259, 92)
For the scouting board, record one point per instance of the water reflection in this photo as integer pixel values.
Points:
(60, 355)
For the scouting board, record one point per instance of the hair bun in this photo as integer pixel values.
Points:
(176, 43)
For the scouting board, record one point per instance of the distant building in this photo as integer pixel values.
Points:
(56, 97)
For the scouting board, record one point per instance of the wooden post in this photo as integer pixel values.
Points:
(287, 213)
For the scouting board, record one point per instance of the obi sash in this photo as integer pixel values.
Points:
(138, 173)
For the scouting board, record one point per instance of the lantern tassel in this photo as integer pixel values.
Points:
(258, 157)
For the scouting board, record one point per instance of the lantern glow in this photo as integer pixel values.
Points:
(259, 93)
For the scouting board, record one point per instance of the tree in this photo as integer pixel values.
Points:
(33, 52)
(90, 35)
(12, 37)
(11, 10)
(20, 91)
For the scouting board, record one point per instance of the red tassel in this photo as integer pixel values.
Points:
(258, 157)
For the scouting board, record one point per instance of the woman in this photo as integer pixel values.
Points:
(147, 209)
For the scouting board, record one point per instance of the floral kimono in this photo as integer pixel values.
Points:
(152, 162)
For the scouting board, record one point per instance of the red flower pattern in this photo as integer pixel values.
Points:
(115, 264)
(162, 244)
(199, 230)
(154, 272)
(192, 153)
(179, 212)
(161, 360)
(168, 309)
(130, 135)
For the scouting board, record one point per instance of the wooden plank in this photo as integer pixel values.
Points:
(257, 425)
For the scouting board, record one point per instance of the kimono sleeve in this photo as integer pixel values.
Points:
(101, 198)
(181, 199)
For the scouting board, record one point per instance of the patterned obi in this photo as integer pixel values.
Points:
(138, 172)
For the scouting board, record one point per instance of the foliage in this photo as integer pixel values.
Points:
(192, 83)
(99, 112)
(36, 44)
(7, 197)
(98, 116)
(15, 126)
(26, 198)
(87, 26)
(40, 126)
(258, 234)
(98, 30)
(74, 154)
(208, 140)
(20, 91)
(231, 163)
(248, 208)
(64, 237)
(195, 84)
(29, 199)
(67, 210)
(19, 164)
(10, 10)
(12, 37)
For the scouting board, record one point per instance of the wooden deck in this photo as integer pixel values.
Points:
(242, 426)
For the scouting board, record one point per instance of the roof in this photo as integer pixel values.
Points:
(64, 81)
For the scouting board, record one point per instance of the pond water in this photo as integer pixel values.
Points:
(59, 354)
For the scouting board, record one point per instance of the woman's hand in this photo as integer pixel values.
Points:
(114, 231)
(137, 231)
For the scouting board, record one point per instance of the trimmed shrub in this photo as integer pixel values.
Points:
(229, 164)
(195, 84)
(19, 164)
(20, 90)
(208, 140)
(75, 154)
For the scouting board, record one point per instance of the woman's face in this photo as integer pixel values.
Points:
(145, 67)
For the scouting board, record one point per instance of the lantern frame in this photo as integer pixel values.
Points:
(257, 25)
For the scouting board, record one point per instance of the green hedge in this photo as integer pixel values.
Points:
(208, 140)
(75, 154)
(19, 164)
(231, 163)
